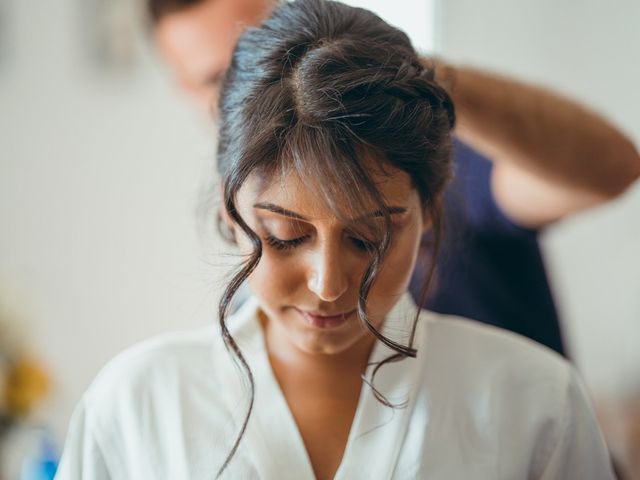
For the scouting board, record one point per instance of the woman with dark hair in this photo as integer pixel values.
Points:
(334, 149)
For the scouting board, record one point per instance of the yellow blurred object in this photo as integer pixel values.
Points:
(26, 383)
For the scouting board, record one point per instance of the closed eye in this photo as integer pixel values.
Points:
(363, 244)
(284, 244)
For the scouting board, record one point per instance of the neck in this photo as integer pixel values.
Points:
(324, 369)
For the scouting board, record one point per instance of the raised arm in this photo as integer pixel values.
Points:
(553, 157)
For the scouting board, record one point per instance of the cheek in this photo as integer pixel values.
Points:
(275, 281)
(277, 278)
(398, 266)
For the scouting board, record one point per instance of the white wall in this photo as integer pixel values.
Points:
(414, 17)
(588, 49)
(99, 176)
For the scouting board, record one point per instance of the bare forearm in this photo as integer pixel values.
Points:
(549, 136)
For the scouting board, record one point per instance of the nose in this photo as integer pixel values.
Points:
(328, 274)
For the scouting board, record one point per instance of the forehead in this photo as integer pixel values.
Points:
(200, 39)
(290, 191)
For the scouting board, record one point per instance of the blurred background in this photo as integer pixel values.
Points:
(104, 168)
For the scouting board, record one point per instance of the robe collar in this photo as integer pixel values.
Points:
(273, 439)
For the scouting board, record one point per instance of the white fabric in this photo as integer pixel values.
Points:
(482, 403)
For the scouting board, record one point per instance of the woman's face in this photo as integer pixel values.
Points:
(311, 268)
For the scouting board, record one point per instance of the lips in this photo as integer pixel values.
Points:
(321, 320)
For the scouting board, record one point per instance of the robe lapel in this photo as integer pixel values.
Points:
(272, 438)
(378, 431)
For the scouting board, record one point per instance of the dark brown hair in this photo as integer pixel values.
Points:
(316, 90)
(159, 8)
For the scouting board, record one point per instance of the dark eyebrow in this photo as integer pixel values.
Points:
(214, 79)
(279, 210)
(392, 211)
(288, 213)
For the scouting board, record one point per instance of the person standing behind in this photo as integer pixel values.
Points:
(549, 158)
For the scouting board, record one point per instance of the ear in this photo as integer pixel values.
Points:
(426, 222)
(427, 213)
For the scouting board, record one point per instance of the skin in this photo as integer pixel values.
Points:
(197, 43)
(552, 157)
(319, 370)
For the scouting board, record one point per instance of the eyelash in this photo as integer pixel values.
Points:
(284, 245)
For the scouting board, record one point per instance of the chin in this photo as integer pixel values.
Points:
(320, 348)
(328, 343)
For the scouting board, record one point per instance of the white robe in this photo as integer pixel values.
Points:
(482, 403)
